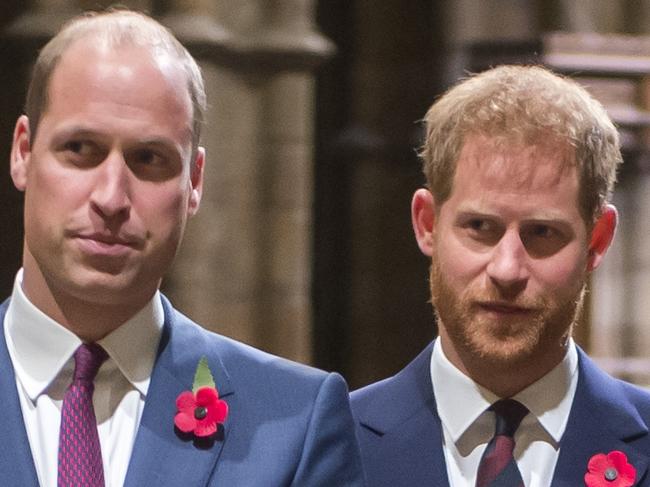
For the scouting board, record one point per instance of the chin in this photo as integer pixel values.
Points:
(528, 346)
(106, 288)
(508, 352)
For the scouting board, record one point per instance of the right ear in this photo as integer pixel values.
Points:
(20, 153)
(423, 216)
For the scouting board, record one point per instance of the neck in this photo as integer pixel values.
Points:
(90, 319)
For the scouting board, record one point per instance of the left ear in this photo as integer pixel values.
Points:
(196, 180)
(423, 219)
(602, 236)
(20, 153)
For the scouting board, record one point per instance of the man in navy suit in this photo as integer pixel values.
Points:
(519, 164)
(108, 157)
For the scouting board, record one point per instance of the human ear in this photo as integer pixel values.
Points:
(423, 217)
(196, 181)
(20, 153)
(602, 236)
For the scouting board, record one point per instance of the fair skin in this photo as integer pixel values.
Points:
(510, 252)
(108, 185)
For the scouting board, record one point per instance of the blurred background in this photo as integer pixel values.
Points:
(303, 245)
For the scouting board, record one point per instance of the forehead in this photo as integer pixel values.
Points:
(128, 82)
(493, 162)
(516, 180)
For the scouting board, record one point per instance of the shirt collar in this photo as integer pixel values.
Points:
(40, 347)
(460, 401)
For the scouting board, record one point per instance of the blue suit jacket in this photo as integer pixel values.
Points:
(401, 437)
(288, 424)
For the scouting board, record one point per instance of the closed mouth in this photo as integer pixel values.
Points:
(105, 239)
(504, 308)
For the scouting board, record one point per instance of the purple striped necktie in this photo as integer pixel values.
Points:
(498, 467)
(80, 454)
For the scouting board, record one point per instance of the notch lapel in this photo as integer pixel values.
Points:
(415, 447)
(601, 420)
(160, 456)
(400, 419)
(16, 461)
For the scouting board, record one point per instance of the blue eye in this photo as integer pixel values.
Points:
(543, 240)
(78, 147)
(82, 152)
(479, 225)
(147, 157)
(74, 146)
(542, 231)
(153, 162)
(484, 231)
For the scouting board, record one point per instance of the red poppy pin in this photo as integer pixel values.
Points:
(611, 470)
(200, 410)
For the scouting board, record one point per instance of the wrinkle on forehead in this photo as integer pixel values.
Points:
(518, 166)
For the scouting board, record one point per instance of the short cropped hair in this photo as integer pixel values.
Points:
(528, 105)
(114, 28)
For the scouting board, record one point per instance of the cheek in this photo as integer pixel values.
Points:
(48, 181)
(47, 199)
(460, 265)
(161, 208)
(564, 271)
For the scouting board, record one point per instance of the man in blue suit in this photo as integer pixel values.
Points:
(519, 164)
(108, 157)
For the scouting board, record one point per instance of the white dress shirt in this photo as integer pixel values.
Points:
(468, 426)
(41, 351)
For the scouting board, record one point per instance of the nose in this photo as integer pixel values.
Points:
(110, 197)
(508, 265)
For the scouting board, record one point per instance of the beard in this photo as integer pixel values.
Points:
(512, 340)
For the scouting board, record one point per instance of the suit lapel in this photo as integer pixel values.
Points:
(420, 434)
(403, 420)
(16, 462)
(601, 421)
(160, 456)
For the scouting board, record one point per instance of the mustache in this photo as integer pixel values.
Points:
(488, 295)
(493, 296)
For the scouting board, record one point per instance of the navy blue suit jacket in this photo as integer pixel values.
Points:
(288, 424)
(401, 435)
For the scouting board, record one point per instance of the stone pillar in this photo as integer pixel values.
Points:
(469, 22)
(375, 315)
(592, 15)
(245, 267)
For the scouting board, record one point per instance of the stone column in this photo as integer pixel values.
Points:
(245, 267)
(470, 22)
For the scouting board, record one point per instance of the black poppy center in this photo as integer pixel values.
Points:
(200, 412)
(611, 473)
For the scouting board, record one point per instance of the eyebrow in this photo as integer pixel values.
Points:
(543, 216)
(96, 133)
(76, 130)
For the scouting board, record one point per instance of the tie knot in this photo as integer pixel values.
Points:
(87, 360)
(509, 414)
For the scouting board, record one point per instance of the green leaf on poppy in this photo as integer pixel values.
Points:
(203, 376)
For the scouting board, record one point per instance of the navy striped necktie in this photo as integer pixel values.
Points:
(498, 466)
